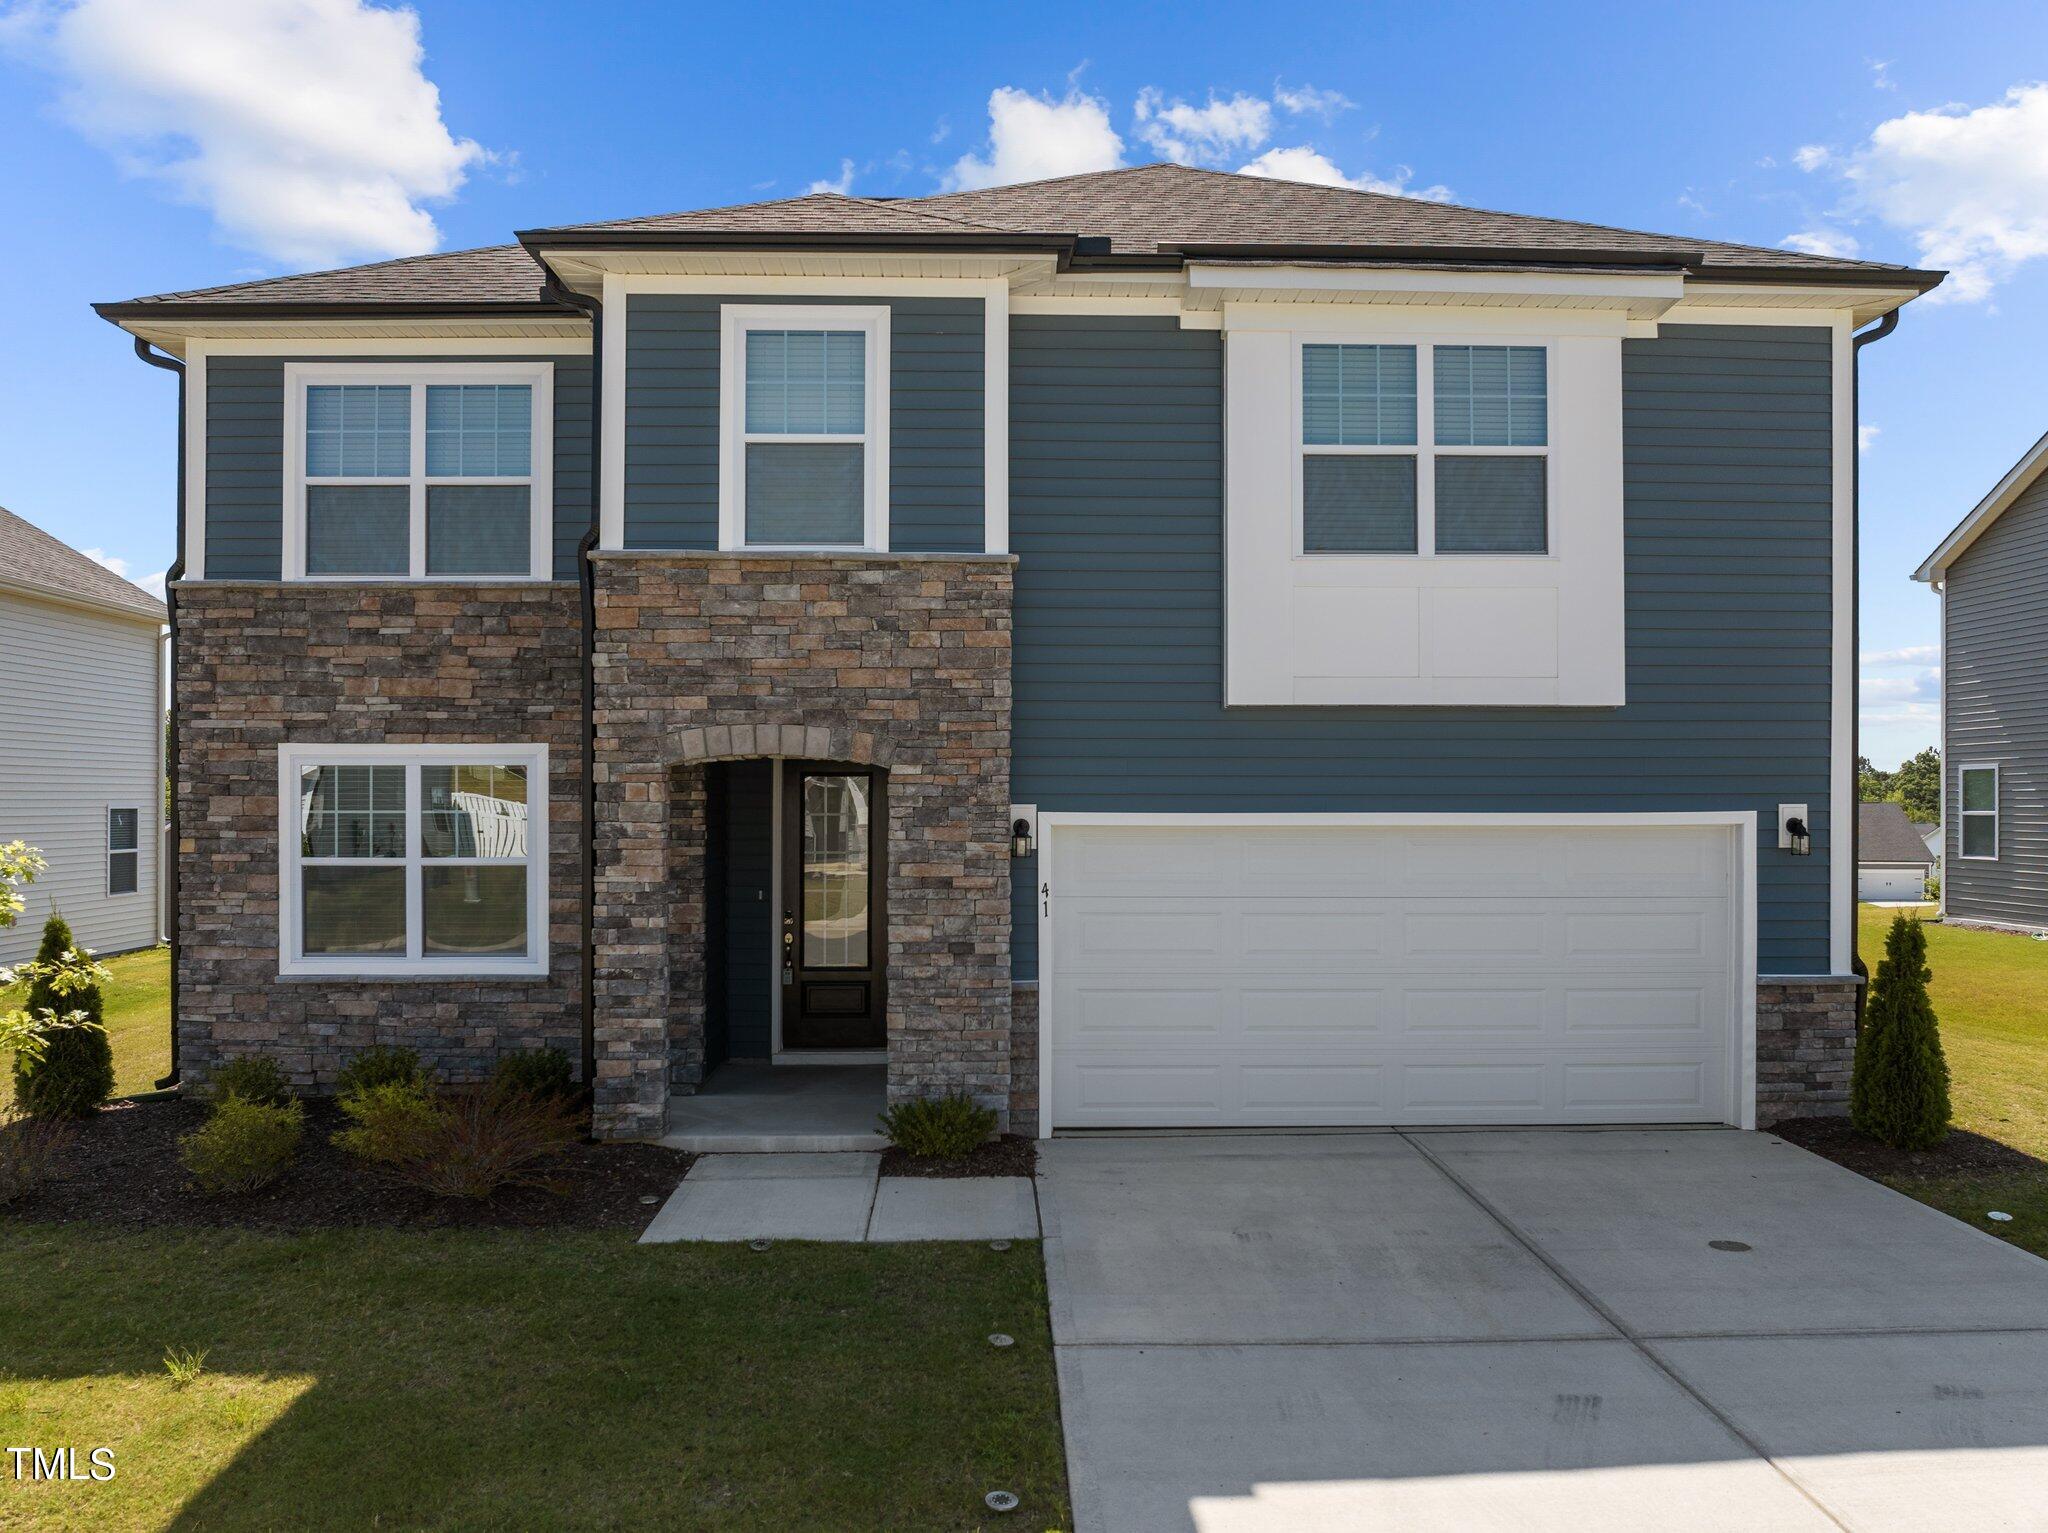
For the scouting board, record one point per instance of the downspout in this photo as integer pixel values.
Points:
(586, 579)
(168, 871)
(1857, 342)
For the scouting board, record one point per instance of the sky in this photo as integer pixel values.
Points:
(154, 145)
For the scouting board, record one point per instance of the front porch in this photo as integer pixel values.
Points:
(764, 1108)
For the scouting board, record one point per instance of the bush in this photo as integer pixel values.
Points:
(944, 1128)
(492, 1139)
(380, 1067)
(543, 1074)
(70, 1069)
(253, 1078)
(243, 1145)
(391, 1122)
(1898, 1093)
(31, 1149)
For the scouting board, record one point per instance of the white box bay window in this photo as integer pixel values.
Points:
(413, 860)
(804, 417)
(411, 472)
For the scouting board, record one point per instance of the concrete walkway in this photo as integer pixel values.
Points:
(838, 1196)
(1532, 1330)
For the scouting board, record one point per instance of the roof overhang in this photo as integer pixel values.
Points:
(85, 603)
(584, 268)
(1639, 294)
(172, 326)
(1934, 568)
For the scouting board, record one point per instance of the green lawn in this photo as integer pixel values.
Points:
(456, 1380)
(137, 1008)
(1990, 990)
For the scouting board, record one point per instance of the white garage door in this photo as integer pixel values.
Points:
(1222, 975)
(1876, 883)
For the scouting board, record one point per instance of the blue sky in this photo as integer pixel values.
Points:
(160, 144)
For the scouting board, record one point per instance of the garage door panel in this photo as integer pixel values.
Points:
(1406, 976)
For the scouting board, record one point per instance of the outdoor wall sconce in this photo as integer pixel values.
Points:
(1793, 836)
(1021, 842)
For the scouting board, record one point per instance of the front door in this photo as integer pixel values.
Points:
(835, 935)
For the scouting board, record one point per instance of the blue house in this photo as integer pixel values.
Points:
(1146, 648)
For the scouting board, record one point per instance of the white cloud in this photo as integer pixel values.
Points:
(305, 127)
(1202, 135)
(1307, 101)
(1031, 137)
(152, 583)
(1821, 242)
(842, 183)
(1866, 437)
(1301, 163)
(1911, 654)
(1690, 201)
(1880, 74)
(1811, 157)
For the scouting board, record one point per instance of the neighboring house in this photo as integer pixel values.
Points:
(1892, 860)
(1146, 648)
(1930, 837)
(81, 742)
(1992, 575)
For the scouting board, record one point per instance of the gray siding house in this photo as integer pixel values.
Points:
(1992, 575)
(81, 742)
(1153, 648)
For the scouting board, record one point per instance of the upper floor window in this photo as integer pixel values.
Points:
(1978, 822)
(418, 473)
(1391, 465)
(805, 416)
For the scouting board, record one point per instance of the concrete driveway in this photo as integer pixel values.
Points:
(1532, 1330)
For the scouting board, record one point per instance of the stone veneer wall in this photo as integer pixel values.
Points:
(264, 664)
(1024, 1060)
(895, 660)
(1805, 1047)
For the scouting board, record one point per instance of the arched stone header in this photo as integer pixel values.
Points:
(812, 742)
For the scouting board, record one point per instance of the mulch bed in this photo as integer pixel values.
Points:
(1961, 1154)
(1011, 1155)
(123, 1169)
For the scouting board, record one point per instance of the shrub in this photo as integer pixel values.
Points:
(31, 1149)
(253, 1078)
(243, 1145)
(1898, 1093)
(544, 1073)
(380, 1067)
(391, 1122)
(945, 1128)
(63, 1064)
(490, 1139)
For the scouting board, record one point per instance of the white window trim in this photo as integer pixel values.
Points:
(735, 320)
(540, 376)
(291, 759)
(134, 851)
(1964, 815)
(1425, 449)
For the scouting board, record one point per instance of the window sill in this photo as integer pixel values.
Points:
(412, 974)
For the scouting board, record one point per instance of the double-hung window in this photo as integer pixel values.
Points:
(124, 850)
(805, 419)
(1424, 449)
(1977, 822)
(406, 472)
(413, 860)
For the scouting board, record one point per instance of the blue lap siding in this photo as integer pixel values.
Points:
(935, 426)
(245, 461)
(1117, 517)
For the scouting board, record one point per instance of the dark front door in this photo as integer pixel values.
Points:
(835, 935)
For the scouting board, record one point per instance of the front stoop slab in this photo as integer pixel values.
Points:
(770, 1197)
(955, 1208)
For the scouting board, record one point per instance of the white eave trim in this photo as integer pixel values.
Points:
(1642, 295)
(29, 591)
(1988, 510)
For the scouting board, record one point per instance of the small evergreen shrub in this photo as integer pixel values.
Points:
(1898, 1093)
(253, 1078)
(491, 1139)
(543, 1073)
(70, 1071)
(944, 1128)
(380, 1067)
(243, 1145)
(391, 1122)
(31, 1150)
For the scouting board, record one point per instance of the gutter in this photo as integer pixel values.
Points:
(167, 870)
(586, 581)
(1857, 342)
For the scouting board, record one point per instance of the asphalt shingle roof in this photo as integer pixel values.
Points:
(1884, 834)
(1156, 213)
(30, 557)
